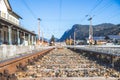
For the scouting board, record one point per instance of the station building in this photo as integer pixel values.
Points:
(11, 32)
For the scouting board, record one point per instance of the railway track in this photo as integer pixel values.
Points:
(9, 67)
(64, 64)
(55, 64)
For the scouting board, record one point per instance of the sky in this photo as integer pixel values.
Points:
(57, 16)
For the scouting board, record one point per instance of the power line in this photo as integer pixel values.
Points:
(106, 6)
(60, 6)
(60, 14)
(102, 10)
(92, 9)
(114, 16)
(95, 7)
(30, 10)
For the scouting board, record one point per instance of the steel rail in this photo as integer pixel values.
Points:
(11, 65)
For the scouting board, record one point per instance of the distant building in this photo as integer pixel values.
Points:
(80, 42)
(10, 30)
(99, 40)
(115, 39)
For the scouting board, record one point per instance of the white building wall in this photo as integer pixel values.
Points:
(4, 13)
(3, 6)
(11, 51)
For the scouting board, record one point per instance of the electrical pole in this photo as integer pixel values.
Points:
(74, 38)
(39, 28)
(70, 40)
(42, 37)
(90, 31)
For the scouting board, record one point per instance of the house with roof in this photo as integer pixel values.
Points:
(114, 38)
(100, 40)
(11, 32)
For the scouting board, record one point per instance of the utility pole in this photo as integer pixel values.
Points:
(39, 28)
(74, 38)
(70, 40)
(90, 31)
(42, 37)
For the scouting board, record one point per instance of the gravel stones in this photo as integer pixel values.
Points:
(66, 63)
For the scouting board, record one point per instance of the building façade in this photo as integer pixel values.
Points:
(10, 30)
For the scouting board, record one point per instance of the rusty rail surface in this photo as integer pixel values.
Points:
(10, 66)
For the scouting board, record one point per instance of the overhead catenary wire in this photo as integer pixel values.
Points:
(107, 6)
(29, 9)
(101, 10)
(113, 16)
(60, 12)
(59, 16)
(95, 7)
(110, 18)
(92, 10)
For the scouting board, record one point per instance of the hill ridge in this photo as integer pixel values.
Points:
(82, 31)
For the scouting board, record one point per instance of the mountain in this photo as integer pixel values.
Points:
(82, 31)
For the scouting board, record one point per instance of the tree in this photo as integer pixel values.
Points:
(67, 41)
(107, 38)
(52, 40)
